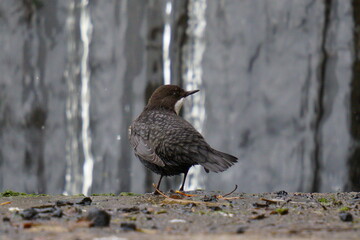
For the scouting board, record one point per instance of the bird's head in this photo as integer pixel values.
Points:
(169, 97)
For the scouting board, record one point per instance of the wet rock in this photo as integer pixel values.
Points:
(43, 212)
(260, 205)
(70, 211)
(241, 229)
(57, 213)
(346, 217)
(98, 218)
(281, 194)
(191, 205)
(6, 219)
(125, 226)
(85, 201)
(215, 208)
(130, 209)
(61, 203)
(211, 198)
(258, 217)
(29, 214)
(45, 209)
(357, 196)
(148, 210)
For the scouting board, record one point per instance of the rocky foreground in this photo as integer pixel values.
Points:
(194, 215)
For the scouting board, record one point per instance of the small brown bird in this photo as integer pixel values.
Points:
(169, 145)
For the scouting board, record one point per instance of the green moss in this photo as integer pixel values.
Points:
(281, 211)
(344, 209)
(323, 200)
(104, 194)
(131, 218)
(78, 195)
(36, 195)
(10, 193)
(161, 211)
(129, 194)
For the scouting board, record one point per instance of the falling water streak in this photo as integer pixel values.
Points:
(166, 43)
(193, 56)
(85, 33)
(73, 178)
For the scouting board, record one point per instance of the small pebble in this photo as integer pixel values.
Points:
(98, 218)
(357, 196)
(281, 194)
(57, 213)
(346, 216)
(177, 221)
(85, 201)
(212, 198)
(128, 226)
(241, 230)
(60, 203)
(130, 209)
(29, 213)
(215, 208)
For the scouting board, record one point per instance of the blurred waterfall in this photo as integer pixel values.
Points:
(85, 33)
(193, 79)
(166, 43)
(282, 79)
(73, 177)
(79, 172)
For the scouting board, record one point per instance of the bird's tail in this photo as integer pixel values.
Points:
(218, 161)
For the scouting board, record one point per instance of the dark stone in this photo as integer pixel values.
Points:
(60, 203)
(85, 201)
(346, 217)
(99, 218)
(212, 198)
(57, 213)
(215, 208)
(190, 205)
(130, 209)
(128, 226)
(260, 205)
(241, 229)
(6, 219)
(29, 214)
(44, 209)
(357, 196)
(281, 194)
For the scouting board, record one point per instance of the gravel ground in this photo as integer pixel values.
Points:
(204, 215)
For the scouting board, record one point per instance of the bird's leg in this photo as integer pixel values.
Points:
(158, 185)
(183, 183)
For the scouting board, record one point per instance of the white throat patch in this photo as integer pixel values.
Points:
(178, 105)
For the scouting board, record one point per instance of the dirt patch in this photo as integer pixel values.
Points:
(201, 215)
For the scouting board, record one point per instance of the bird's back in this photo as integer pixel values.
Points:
(175, 142)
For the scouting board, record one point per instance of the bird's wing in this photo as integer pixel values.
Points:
(188, 146)
(144, 151)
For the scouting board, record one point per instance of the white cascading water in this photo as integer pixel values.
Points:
(192, 75)
(73, 177)
(166, 43)
(85, 33)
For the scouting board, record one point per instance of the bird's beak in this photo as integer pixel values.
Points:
(188, 93)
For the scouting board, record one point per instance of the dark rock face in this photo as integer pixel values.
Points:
(279, 77)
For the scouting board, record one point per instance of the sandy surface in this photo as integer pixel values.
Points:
(207, 215)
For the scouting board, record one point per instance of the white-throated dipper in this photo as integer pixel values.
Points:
(169, 145)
